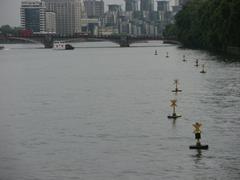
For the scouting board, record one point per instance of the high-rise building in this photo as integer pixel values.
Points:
(68, 15)
(163, 5)
(114, 8)
(51, 22)
(33, 15)
(183, 2)
(147, 5)
(131, 5)
(94, 8)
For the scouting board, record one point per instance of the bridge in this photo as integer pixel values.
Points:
(123, 40)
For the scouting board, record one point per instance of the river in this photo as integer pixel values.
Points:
(99, 112)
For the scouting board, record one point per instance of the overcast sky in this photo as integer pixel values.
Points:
(10, 11)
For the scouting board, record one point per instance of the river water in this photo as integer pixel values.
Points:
(99, 112)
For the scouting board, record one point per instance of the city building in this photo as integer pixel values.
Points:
(108, 30)
(114, 8)
(131, 5)
(33, 15)
(90, 26)
(94, 8)
(163, 6)
(147, 5)
(183, 2)
(111, 17)
(68, 15)
(50, 22)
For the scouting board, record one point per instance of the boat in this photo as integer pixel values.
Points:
(69, 47)
(60, 45)
(1, 47)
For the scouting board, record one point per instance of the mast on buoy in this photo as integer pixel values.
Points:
(203, 69)
(176, 82)
(184, 59)
(196, 63)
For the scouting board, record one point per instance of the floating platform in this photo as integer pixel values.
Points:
(174, 116)
(178, 90)
(204, 147)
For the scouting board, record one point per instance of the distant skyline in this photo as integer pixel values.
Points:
(10, 11)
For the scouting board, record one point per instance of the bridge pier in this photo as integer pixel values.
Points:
(124, 42)
(48, 42)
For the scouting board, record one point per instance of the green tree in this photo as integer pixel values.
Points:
(210, 24)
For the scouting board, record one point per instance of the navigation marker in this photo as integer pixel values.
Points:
(173, 105)
(197, 132)
(176, 82)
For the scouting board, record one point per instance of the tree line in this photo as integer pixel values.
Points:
(6, 30)
(207, 24)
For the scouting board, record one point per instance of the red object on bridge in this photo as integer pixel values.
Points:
(26, 33)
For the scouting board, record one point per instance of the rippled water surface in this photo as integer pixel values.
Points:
(100, 113)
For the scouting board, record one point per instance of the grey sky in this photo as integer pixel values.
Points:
(10, 11)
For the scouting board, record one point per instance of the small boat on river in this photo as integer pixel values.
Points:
(60, 45)
(1, 47)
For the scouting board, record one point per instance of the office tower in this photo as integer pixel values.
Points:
(68, 15)
(94, 9)
(131, 5)
(51, 22)
(176, 3)
(114, 8)
(147, 5)
(183, 2)
(163, 6)
(33, 15)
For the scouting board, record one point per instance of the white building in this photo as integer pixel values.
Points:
(33, 15)
(68, 15)
(50, 22)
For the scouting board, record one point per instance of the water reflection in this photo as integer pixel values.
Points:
(174, 123)
(198, 156)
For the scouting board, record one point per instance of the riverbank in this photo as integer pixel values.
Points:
(233, 50)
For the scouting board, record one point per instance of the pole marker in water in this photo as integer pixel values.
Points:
(203, 69)
(176, 90)
(167, 55)
(196, 63)
(197, 131)
(156, 52)
(174, 114)
(184, 59)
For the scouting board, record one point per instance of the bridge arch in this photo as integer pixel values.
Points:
(25, 39)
